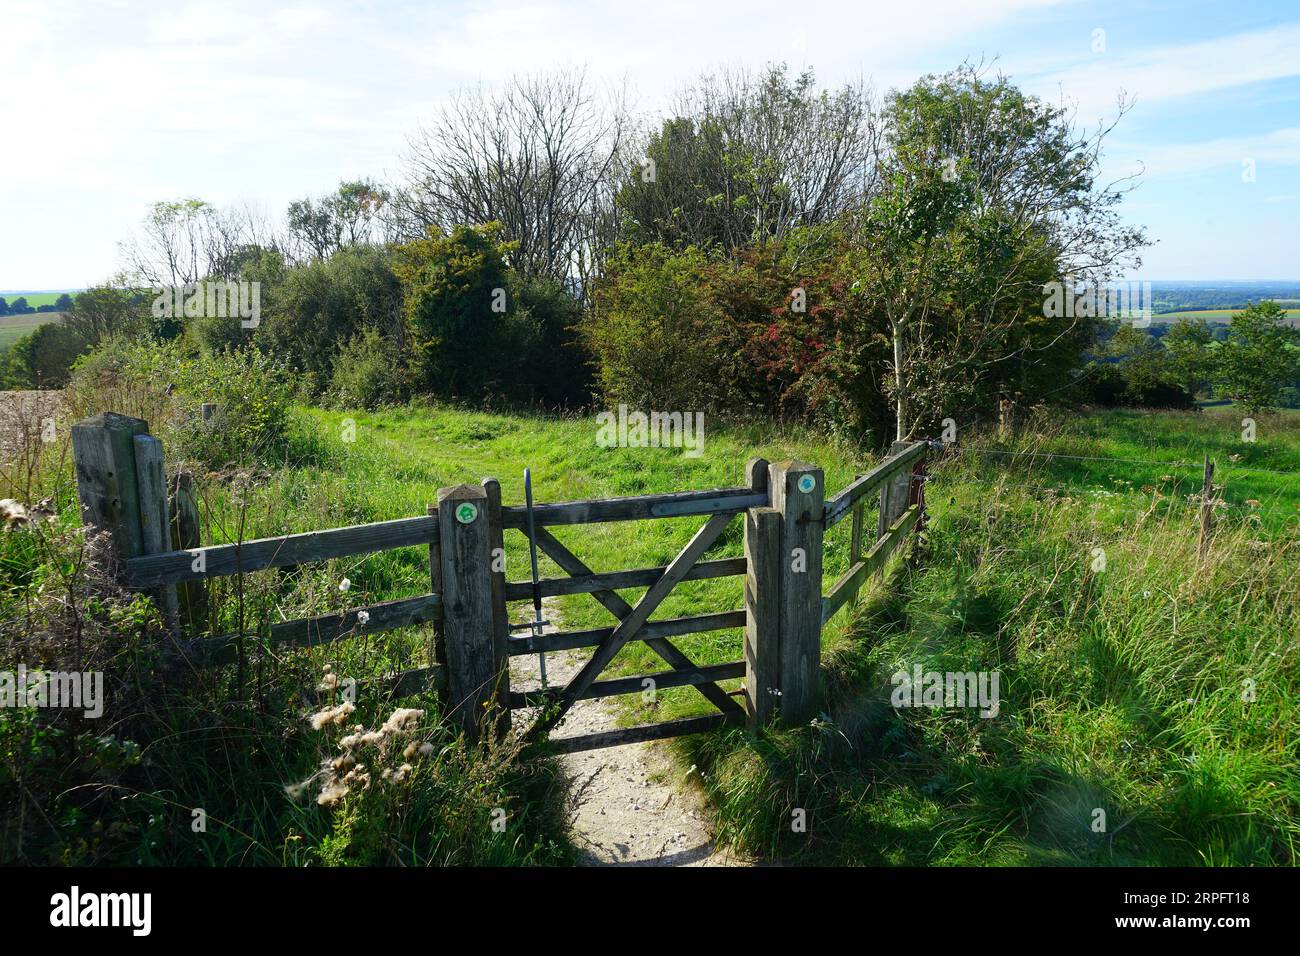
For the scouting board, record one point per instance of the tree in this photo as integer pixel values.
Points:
(103, 311)
(19, 306)
(536, 156)
(747, 158)
(62, 304)
(459, 312)
(1190, 357)
(319, 306)
(185, 241)
(351, 215)
(1260, 357)
(985, 195)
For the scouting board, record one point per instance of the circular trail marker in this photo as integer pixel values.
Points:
(807, 483)
(466, 512)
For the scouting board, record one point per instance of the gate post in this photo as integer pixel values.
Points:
(762, 604)
(797, 491)
(895, 494)
(474, 672)
(122, 489)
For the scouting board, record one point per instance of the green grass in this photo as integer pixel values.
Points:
(1121, 689)
(14, 327)
(35, 299)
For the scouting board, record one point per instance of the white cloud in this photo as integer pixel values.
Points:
(1094, 80)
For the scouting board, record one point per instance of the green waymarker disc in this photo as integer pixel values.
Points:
(465, 513)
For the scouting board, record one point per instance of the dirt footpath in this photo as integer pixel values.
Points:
(632, 804)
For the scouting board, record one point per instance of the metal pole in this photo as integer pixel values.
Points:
(538, 622)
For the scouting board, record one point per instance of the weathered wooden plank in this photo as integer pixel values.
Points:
(617, 580)
(896, 493)
(763, 614)
(671, 627)
(637, 507)
(632, 622)
(227, 559)
(103, 453)
(643, 732)
(155, 534)
(838, 506)
(797, 493)
(685, 677)
(474, 674)
(186, 535)
(497, 583)
(311, 631)
(853, 579)
(616, 606)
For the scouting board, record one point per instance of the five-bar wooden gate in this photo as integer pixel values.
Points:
(123, 489)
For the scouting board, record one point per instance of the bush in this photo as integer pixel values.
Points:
(370, 371)
(466, 331)
(320, 306)
(165, 384)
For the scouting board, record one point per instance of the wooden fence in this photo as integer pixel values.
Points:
(123, 489)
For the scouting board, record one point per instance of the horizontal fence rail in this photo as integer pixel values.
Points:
(637, 507)
(644, 732)
(838, 507)
(635, 684)
(311, 631)
(222, 560)
(617, 580)
(672, 627)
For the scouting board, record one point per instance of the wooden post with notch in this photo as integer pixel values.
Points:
(123, 490)
(475, 673)
(797, 492)
(155, 529)
(103, 451)
(186, 535)
(762, 604)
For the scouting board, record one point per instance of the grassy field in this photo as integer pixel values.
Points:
(14, 327)
(1223, 315)
(34, 299)
(1121, 689)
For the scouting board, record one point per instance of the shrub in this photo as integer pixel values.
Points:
(464, 326)
(318, 307)
(370, 371)
(165, 384)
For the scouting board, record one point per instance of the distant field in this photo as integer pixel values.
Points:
(1225, 315)
(14, 327)
(35, 299)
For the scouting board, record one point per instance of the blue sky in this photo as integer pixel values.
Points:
(109, 106)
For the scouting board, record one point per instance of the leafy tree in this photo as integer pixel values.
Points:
(106, 310)
(1191, 362)
(19, 306)
(350, 216)
(985, 194)
(4, 306)
(319, 306)
(747, 158)
(1260, 357)
(459, 313)
(62, 304)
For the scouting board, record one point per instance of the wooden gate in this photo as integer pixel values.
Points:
(123, 486)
